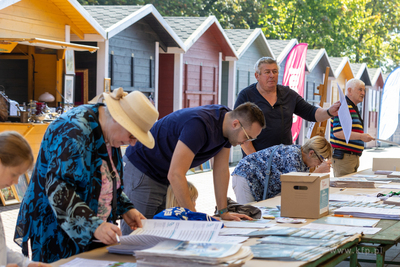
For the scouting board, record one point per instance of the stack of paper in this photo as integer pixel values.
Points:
(392, 201)
(347, 198)
(351, 182)
(184, 253)
(394, 174)
(276, 230)
(377, 213)
(283, 252)
(155, 231)
(348, 221)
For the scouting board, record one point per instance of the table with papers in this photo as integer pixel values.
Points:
(385, 238)
(389, 236)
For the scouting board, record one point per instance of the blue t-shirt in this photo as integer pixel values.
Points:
(199, 128)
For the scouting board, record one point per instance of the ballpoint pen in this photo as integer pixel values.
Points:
(345, 216)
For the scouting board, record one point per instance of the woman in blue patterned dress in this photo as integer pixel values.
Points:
(249, 175)
(77, 179)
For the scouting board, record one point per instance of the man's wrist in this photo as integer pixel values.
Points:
(222, 211)
(329, 114)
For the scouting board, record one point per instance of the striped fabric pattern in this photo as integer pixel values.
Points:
(356, 146)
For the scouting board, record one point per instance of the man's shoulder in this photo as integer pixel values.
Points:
(249, 88)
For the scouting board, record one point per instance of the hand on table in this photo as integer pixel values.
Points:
(230, 216)
(133, 218)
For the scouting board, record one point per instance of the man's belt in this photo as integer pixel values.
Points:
(348, 152)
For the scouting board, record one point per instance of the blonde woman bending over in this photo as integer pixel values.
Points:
(249, 175)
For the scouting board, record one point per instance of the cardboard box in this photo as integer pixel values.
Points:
(389, 164)
(305, 195)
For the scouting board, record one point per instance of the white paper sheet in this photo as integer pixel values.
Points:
(235, 231)
(390, 186)
(79, 262)
(231, 239)
(344, 115)
(154, 231)
(245, 224)
(345, 198)
(349, 230)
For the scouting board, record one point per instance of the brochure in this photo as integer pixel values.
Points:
(155, 231)
(348, 221)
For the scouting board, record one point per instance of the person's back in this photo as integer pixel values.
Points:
(204, 143)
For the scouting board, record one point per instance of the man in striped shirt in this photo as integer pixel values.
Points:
(346, 156)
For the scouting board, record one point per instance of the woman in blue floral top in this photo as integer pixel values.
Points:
(77, 179)
(249, 175)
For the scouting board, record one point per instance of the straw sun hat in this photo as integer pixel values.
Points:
(134, 112)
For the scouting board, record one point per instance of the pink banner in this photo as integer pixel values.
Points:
(293, 76)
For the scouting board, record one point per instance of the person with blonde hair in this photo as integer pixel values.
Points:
(15, 159)
(75, 193)
(171, 200)
(250, 175)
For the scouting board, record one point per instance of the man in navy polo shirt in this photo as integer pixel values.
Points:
(185, 139)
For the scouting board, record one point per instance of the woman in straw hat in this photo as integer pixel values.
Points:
(76, 187)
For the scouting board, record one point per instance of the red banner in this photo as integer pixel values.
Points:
(293, 76)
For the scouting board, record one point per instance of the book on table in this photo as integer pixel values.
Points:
(155, 231)
(190, 253)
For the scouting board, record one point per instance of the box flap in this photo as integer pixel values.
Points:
(303, 177)
(390, 164)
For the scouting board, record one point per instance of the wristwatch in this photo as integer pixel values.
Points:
(220, 212)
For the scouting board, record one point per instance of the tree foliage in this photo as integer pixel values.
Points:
(364, 30)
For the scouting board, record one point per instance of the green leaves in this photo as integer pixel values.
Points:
(364, 30)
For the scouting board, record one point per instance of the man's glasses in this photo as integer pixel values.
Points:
(248, 137)
(321, 158)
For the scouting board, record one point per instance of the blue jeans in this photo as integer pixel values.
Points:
(147, 195)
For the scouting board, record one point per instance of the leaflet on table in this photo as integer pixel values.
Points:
(193, 250)
(228, 239)
(247, 224)
(300, 241)
(343, 197)
(347, 230)
(390, 186)
(347, 221)
(234, 231)
(79, 262)
(378, 213)
(172, 229)
(276, 230)
(364, 176)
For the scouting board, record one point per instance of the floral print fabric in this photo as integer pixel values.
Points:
(59, 211)
(254, 167)
(106, 193)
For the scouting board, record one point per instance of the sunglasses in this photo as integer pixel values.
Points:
(248, 137)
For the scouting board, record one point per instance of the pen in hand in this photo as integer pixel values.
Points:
(118, 240)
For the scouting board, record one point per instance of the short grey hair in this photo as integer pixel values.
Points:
(264, 60)
(353, 83)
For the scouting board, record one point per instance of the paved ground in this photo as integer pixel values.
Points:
(206, 201)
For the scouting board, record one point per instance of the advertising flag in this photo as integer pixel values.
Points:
(388, 116)
(293, 76)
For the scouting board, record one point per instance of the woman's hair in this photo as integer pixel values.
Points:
(14, 149)
(173, 202)
(320, 145)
